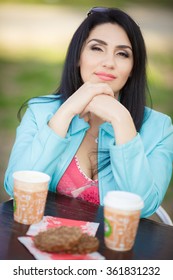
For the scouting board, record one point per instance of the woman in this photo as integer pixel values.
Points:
(95, 134)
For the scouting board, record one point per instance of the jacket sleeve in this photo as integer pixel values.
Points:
(145, 169)
(36, 147)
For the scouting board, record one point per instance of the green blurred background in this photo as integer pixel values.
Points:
(33, 42)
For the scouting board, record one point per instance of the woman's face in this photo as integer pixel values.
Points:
(107, 56)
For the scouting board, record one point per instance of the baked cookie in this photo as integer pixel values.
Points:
(60, 239)
(86, 244)
(66, 239)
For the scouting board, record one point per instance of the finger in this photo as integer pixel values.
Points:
(104, 88)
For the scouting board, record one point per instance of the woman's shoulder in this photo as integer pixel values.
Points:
(155, 120)
(43, 107)
(45, 103)
(157, 127)
(151, 115)
(44, 100)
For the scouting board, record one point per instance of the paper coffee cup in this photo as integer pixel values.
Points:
(121, 219)
(30, 194)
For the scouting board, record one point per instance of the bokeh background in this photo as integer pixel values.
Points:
(34, 36)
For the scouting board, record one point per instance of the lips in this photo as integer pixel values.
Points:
(105, 76)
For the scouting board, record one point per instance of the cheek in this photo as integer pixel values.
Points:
(126, 71)
(83, 72)
(86, 68)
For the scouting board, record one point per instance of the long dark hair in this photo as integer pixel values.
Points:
(133, 94)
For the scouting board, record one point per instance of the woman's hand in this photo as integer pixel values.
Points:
(78, 101)
(103, 106)
(111, 110)
(76, 104)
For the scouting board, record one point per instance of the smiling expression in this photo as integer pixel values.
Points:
(107, 56)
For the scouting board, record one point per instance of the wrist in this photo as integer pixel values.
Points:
(124, 128)
(60, 122)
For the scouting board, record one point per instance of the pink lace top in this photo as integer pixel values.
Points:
(76, 184)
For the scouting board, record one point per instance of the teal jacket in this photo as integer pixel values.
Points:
(142, 166)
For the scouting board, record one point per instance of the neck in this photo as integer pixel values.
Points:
(94, 121)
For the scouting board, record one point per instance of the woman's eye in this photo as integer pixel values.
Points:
(123, 54)
(96, 48)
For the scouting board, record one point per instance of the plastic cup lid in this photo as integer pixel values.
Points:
(123, 200)
(30, 176)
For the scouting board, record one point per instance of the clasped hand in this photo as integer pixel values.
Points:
(95, 98)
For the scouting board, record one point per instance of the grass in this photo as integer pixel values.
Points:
(92, 3)
(27, 79)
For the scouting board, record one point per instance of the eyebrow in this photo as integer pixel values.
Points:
(105, 44)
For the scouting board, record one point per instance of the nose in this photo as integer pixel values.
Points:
(108, 61)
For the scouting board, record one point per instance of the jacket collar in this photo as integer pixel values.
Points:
(79, 124)
(108, 128)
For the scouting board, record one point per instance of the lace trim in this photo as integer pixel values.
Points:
(80, 170)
